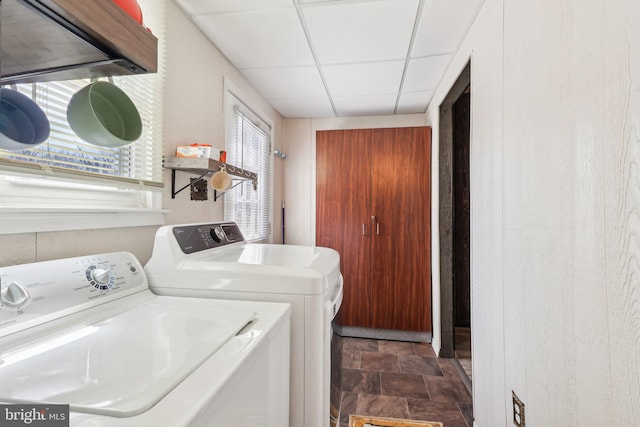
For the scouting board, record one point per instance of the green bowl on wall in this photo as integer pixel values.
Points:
(102, 114)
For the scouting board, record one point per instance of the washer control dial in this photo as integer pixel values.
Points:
(216, 234)
(15, 295)
(100, 278)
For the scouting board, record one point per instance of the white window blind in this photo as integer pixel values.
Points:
(137, 164)
(250, 148)
(128, 174)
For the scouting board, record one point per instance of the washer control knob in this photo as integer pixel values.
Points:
(216, 234)
(101, 275)
(14, 295)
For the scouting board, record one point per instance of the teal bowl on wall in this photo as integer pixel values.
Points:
(23, 124)
(102, 114)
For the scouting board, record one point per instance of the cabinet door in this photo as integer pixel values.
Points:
(401, 199)
(342, 207)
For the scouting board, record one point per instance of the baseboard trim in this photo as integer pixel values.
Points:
(382, 334)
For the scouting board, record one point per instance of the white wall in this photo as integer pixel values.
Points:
(555, 197)
(555, 127)
(483, 46)
(193, 113)
(300, 170)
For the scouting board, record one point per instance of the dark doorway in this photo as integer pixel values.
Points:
(461, 232)
(461, 214)
(454, 226)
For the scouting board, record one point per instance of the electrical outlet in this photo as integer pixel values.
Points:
(518, 411)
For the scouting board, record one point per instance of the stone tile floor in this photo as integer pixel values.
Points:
(399, 380)
(463, 349)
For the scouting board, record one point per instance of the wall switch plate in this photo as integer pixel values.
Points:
(518, 410)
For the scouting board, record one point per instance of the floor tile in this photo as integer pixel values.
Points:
(360, 344)
(419, 365)
(423, 349)
(348, 406)
(420, 385)
(351, 359)
(445, 389)
(382, 406)
(396, 347)
(335, 396)
(463, 349)
(463, 339)
(358, 381)
(403, 385)
(444, 412)
(379, 362)
(448, 370)
(465, 363)
(467, 412)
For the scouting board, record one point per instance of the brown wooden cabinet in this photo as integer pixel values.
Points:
(373, 206)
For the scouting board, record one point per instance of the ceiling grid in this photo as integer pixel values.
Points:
(328, 58)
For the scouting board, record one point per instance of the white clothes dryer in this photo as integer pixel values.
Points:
(87, 332)
(213, 261)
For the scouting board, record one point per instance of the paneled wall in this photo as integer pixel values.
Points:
(555, 192)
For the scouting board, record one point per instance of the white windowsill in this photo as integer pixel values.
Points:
(21, 220)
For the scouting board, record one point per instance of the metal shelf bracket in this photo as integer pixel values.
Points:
(204, 167)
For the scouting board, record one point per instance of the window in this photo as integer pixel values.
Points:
(67, 174)
(249, 146)
(65, 150)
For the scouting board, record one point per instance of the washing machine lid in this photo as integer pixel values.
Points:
(263, 268)
(123, 365)
(187, 257)
(296, 257)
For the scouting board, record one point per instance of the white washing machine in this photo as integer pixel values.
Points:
(87, 332)
(213, 261)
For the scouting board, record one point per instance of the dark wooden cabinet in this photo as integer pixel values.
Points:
(343, 198)
(373, 206)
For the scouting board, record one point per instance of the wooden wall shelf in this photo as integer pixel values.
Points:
(47, 40)
(204, 167)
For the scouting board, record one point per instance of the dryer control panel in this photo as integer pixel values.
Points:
(200, 237)
(34, 293)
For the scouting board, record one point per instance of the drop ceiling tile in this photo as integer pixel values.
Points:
(414, 102)
(193, 7)
(303, 107)
(425, 73)
(260, 39)
(364, 79)
(372, 105)
(292, 82)
(443, 26)
(359, 32)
